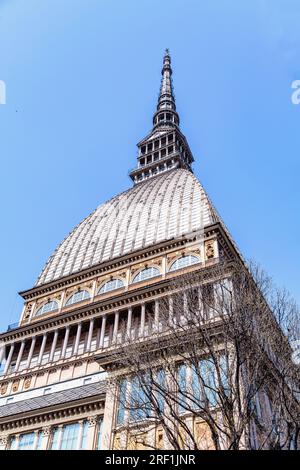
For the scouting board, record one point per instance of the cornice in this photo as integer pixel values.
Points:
(42, 416)
(109, 265)
(127, 260)
(88, 311)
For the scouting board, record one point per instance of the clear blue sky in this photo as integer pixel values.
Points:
(82, 80)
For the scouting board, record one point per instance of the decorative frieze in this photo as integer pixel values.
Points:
(27, 382)
(3, 388)
(15, 385)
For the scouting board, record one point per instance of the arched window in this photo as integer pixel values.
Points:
(78, 297)
(184, 261)
(111, 285)
(48, 307)
(146, 273)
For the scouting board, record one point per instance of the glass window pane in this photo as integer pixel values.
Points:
(183, 262)
(39, 443)
(70, 435)
(100, 426)
(26, 441)
(122, 398)
(84, 435)
(181, 387)
(78, 297)
(54, 439)
(48, 307)
(111, 285)
(13, 443)
(146, 274)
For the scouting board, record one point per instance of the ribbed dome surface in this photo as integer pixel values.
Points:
(164, 207)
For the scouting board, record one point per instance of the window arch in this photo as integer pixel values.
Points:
(183, 262)
(78, 297)
(146, 273)
(111, 285)
(50, 306)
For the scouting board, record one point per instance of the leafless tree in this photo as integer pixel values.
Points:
(213, 368)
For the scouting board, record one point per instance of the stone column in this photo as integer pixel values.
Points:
(65, 344)
(170, 384)
(200, 304)
(17, 437)
(19, 358)
(108, 418)
(80, 435)
(54, 342)
(93, 293)
(164, 267)
(60, 436)
(77, 340)
(103, 325)
(30, 354)
(91, 434)
(129, 321)
(116, 325)
(143, 313)
(98, 337)
(171, 313)
(46, 436)
(42, 349)
(8, 361)
(90, 335)
(156, 315)
(36, 439)
(185, 315)
(62, 301)
(3, 442)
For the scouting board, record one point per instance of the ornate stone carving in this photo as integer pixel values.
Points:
(92, 420)
(46, 430)
(3, 389)
(3, 440)
(209, 250)
(15, 385)
(27, 382)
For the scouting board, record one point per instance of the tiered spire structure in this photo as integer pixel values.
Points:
(165, 148)
(166, 114)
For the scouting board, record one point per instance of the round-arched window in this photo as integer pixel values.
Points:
(183, 262)
(146, 273)
(111, 285)
(78, 297)
(50, 306)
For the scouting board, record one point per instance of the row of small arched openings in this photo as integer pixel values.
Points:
(116, 283)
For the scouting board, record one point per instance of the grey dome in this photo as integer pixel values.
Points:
(168, 206)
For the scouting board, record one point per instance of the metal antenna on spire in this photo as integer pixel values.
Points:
(166, 114)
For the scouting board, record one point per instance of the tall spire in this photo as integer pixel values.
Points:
(165, 148)
(166, 114)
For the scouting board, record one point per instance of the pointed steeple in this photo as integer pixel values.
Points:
(165, 148)
(166, 114)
